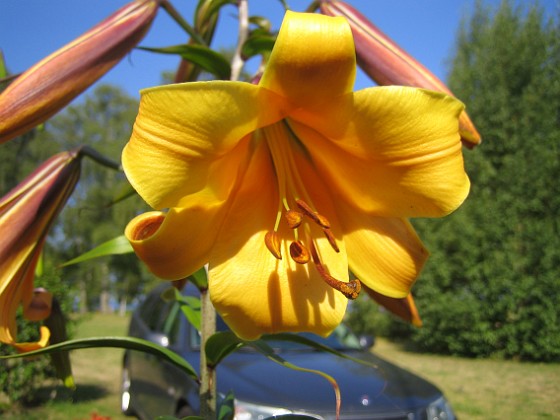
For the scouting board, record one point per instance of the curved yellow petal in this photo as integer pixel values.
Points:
(256, 293)
(384, 253)
(391, 151)
(313, 59)
(184, 135)
(175, 244)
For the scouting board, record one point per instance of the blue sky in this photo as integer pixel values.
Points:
(31, 29)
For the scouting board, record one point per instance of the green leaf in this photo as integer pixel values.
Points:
(219, 345)
(263, 347)
(227, 407)
(199, 279)
(210, 60)
(191, 308)
(214, 7)
(115, 246)
(261, 22)
(258, 44)
(129, 343)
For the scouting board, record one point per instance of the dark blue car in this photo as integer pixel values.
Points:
(262, 389)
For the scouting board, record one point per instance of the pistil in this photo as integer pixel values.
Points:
(351, 289)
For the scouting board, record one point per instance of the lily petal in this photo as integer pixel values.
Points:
(384, 253)
(391, 151)
(176, 244)
(182, 132)
(313, 59)
(256, 293)
(404, 308)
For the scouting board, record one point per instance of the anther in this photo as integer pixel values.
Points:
(299, 252)
(330, 238)
(294, 218)
(313, 215)
(272, 242)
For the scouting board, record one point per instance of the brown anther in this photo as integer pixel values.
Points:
(272, 242)
(294, 218)
(299, 252)
(331, 239)
(313, 215)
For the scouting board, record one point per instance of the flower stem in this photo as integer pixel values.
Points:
(207, 373)
(238, 62)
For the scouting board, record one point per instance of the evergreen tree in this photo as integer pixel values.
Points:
(492, 285)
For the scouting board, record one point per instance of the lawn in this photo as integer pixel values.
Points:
(477, 389)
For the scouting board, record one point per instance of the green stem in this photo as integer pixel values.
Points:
(99, 158)
(207, 374)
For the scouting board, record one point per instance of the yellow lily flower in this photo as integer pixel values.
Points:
(26, 215)
(284, 186)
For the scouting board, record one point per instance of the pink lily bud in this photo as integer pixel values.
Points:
(26, 215)
(388, 64)
(52, 83)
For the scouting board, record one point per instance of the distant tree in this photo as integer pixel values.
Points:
(492, 285)
(103, 120)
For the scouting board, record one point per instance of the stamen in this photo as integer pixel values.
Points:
(272, 242)
(351, 289)
(299, 252)
(331, 239)
(294, 218)
(313, 215)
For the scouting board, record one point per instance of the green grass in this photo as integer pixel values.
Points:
(486, 388)
(477, 389)
(97, 376)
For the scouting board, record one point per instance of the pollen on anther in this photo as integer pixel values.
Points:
(299, 252)
(272, 242)
(294, 218)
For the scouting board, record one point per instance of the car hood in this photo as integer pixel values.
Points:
(373, 387)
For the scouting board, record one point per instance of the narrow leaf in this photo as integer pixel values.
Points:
(115, 246)
(263, 347)
(129, 343)
(202, 56)
(258, 44)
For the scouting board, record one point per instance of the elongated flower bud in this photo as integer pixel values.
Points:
(51, 84)
(26, 215)
(388, 64)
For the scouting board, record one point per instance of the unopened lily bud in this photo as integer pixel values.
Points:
(52, 83)
(26, 215)
(388, 64)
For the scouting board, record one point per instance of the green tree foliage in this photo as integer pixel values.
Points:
(492, 285)
(102, 120)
